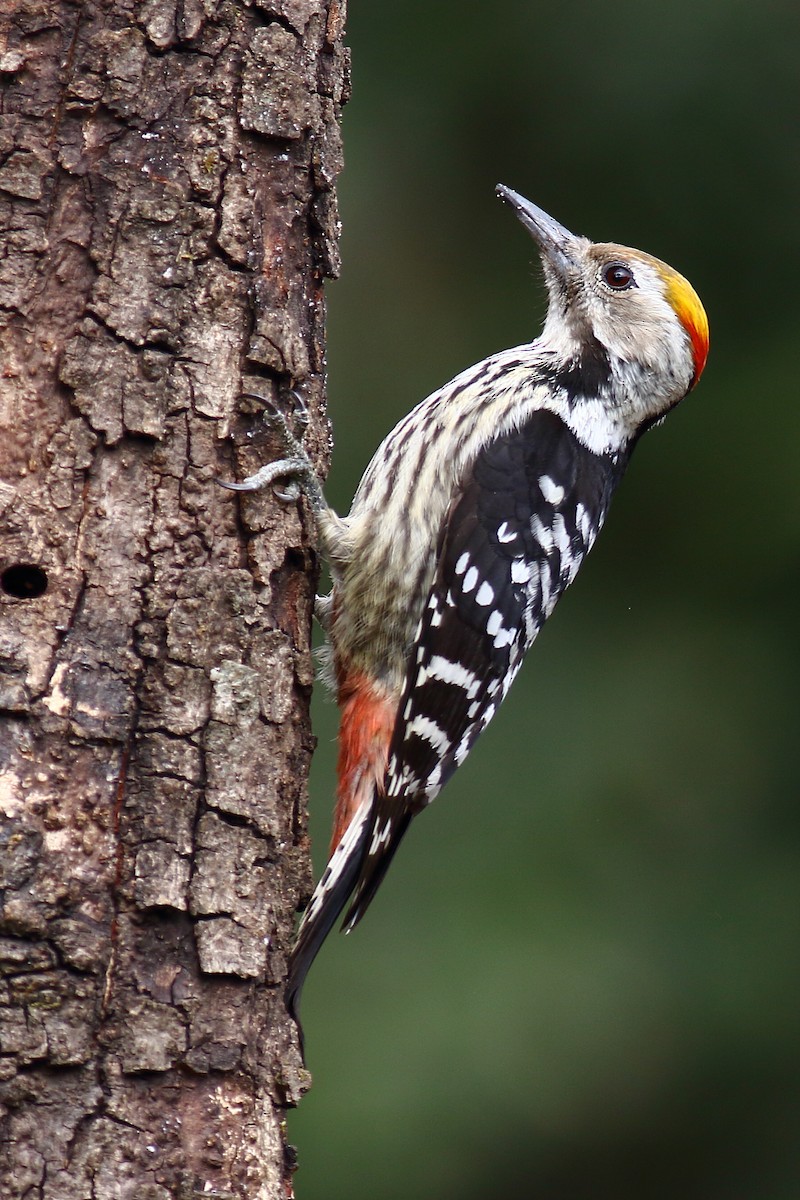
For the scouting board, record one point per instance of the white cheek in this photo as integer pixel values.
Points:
(639, 326)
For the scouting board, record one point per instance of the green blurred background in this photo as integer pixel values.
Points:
(580, 978)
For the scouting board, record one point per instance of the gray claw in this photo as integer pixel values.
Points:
(276, 419)
(292, 491)
(301, 414)
(283, 468)
(233, 487)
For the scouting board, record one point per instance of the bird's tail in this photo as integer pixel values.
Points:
(363, 840)
(388, 825)
(357, 865)
(330, 896)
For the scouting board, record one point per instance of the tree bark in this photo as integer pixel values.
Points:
(168, 215)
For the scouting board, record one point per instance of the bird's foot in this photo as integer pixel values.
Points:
(296, 467)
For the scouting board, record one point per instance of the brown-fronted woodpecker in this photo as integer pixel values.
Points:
(470, 521)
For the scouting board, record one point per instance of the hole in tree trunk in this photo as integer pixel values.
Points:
(24, 581)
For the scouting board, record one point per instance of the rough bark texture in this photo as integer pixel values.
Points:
(167, 215)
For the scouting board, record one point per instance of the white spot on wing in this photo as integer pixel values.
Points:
(494, 623)
(520, 571)
(552, 492)
(503, 637)
(543, 533)
(485, 595)
(462, 564)
(497, 632)
(561, 536)
(504, 534)
(470, 579)
(544, 586)
(534, 579)
(584, 524)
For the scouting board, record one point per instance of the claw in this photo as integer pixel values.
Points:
(272, 416)
(301, 414)
(283, 468)
(276, 418)
(290, 493)
(233, 487)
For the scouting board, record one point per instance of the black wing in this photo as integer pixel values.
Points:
(513, 540)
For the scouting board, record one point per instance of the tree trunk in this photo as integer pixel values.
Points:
(168, 215)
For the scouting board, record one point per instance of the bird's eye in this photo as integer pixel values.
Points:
(618, 276)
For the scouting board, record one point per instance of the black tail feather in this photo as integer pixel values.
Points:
(376, 862)
(359, 862)
(330, 896)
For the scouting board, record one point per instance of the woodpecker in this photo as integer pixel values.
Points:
(470, 521)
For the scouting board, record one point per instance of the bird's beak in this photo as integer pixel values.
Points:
(557, 245)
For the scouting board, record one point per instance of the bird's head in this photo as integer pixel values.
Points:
(621, 321)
